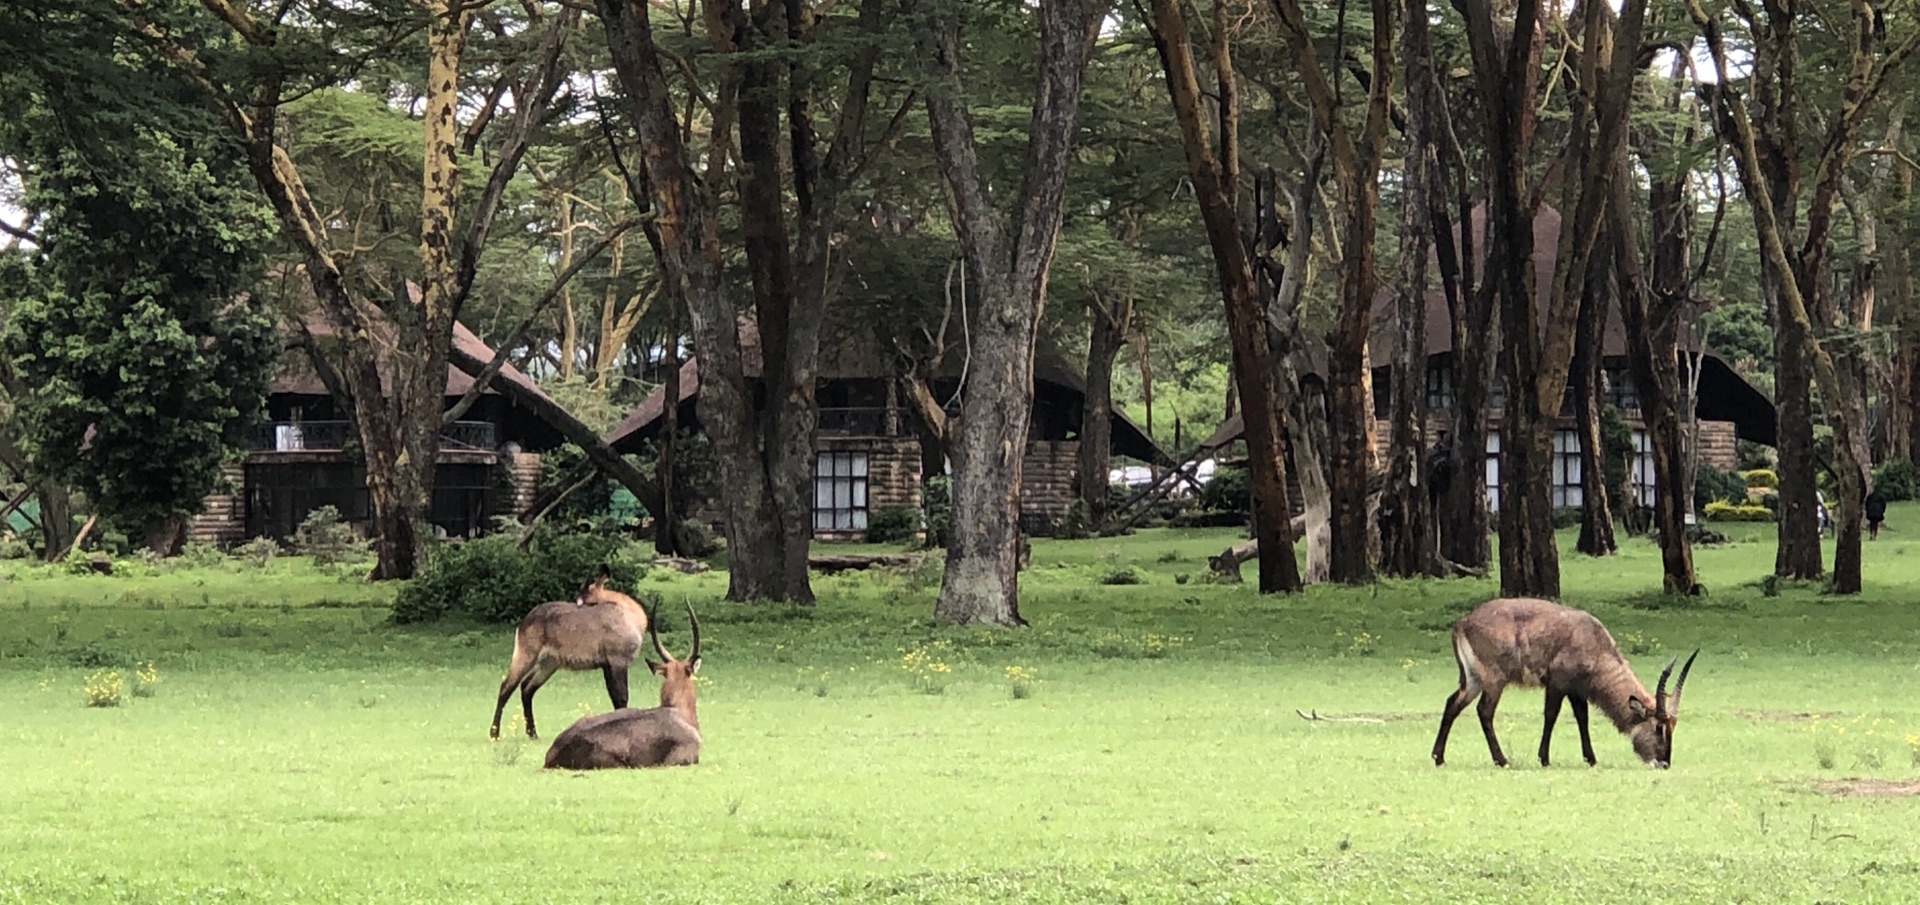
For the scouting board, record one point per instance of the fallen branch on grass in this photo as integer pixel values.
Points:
(1315, 717)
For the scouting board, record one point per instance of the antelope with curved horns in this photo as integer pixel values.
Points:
(663, 736)
(599, 629)
(1520, 641)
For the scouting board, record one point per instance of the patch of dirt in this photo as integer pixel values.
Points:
(1784, 716)
(1868, 788)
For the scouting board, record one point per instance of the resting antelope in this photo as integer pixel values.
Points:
(663, 736)
(1518, 641)
(600, 629)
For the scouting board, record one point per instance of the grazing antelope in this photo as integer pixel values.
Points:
(1519, 641)
(663, 736)
(599, 629)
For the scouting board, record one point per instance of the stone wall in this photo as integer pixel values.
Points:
(224, 520)
(1717, 445)
(526, 482)
(1046, 484)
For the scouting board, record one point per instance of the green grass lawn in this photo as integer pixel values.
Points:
(299, 748)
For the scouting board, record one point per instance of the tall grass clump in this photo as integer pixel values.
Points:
(492, 580)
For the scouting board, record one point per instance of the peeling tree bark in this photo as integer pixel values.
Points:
(1215, 188)
(1009, 261)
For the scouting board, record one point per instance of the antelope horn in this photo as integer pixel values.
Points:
(1682, 684)
(653, 633)
(1660, 693)
(695, 622)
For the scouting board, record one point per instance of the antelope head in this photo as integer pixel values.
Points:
(676, 675)
(590, 591)
(1652, 732)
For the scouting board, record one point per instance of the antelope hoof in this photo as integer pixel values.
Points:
(1501, 763)
(494, 732)
(1439, 760)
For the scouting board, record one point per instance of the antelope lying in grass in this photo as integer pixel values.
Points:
(663, 736)
(600, 629)
(1518, 641)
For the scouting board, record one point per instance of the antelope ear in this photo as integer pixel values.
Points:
(659, 669)
(600, 578)
(693, 666)
(1638, 707)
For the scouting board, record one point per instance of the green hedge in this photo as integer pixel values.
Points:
(1762, 477)
(1723, 511)
(490, 580)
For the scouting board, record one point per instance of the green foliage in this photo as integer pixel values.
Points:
(1121, 575)
(1710, 484)
(1566, 516)
(1897, 480)
(892, 525)
(936, 501)
(492, 580)
(133, 322)
(1616, 449)
(1076, 524)
(1723, 511)
(1230, 490)
(1762, 477)
(258, 551)
(327, 539)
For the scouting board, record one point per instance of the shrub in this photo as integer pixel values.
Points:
(1723, 511)
(1231, 490)
(892, 525)
(1710, 484)
(1566, 516)
(1771, 500)
(1076, 524)
(1897, 480)
(1122, 575)
(936, 499)
(1762, 477)
(145, 679)
(13, 546)
(259, 551)
(196, 555)
(491, 580)
(327, 539)
(106, 688)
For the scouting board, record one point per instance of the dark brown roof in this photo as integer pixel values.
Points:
(854, 355)
(294, 373)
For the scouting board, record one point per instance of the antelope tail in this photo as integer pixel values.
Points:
(1469, 664)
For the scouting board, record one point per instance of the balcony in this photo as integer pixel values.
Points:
(855, 422)
(338, 436)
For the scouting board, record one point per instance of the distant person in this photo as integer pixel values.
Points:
(1820, 512)
(1876, 513)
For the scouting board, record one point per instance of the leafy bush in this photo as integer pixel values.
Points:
(13, 546)
(1723, 511)
(1711, 484)
(1897, 480)
(1566, 516)
(327, 539)
(106, 688)
(1122, 575)
(1076, 524)
(259, 551)
(892, 525)
(491, 580)
(1231, 490)
(936, 499)
(1771, 500)
(1762, 477)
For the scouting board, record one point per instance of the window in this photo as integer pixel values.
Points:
(1567, 491)
(1642, 474)
(1383, 390)
(1493, 470)
(1620, 391)
(840, 492)
(1440, 386)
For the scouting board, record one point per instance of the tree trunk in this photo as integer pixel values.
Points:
(690, 264)
(1107, 335)
(1009, 262)
(1215, 189)
(56, 521)
(1308, 429)
(1798, 555)
(1405, 534)
(166, 537)
(1357, 162)
(666, 518)
(1596, 516)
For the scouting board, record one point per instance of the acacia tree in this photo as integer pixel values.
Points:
(393, 341)
(1802, 278)
(1008, 260)
(1215, 181)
